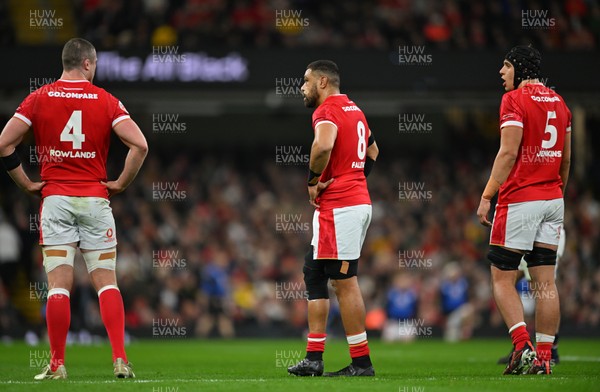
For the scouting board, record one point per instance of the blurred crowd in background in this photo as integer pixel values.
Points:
(380, 24)
(216, 242)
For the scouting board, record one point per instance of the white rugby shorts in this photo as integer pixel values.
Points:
(519, 225)
(339, 233)
(85, 220)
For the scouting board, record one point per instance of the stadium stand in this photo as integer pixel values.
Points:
(198, 233)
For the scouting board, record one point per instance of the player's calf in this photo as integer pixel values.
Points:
(315, 280)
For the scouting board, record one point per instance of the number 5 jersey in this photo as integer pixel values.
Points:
(545, 120)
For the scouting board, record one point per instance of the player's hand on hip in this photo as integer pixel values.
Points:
(113, 187)
(483, 211)
(35, 188)
(313, 191)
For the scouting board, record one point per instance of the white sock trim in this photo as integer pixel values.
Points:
(543, 338)
(316, 339)
(355, 339)
(517, 325)
(107, 287)
(58, 291)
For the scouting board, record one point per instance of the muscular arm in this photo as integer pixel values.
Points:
(372, 153)
(320, 153)
(131, 135)
(372, 150)
(565, 164)
(510, 141)
(325, 135)
(11, 135)
(10, 138)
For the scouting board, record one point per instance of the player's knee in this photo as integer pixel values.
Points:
(316, 284)
(57, 255)
(308, 257)
(504, 259)
(104, 258)
(540, 256)
(315, 278)
(341, 269)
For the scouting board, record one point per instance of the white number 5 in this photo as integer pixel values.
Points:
(551, 129)
(74, 124)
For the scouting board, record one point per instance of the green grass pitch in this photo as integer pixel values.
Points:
(182, 365)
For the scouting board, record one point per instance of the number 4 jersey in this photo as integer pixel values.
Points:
(72, 122)
(347, 160)
(545, 120)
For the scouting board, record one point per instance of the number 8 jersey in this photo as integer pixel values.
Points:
(72, 121)
(545, 119)
(347, 160)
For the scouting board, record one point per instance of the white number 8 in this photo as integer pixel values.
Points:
(362, 141)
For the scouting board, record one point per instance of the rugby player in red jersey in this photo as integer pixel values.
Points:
(342, 155)
(530, 174)
(72, 122)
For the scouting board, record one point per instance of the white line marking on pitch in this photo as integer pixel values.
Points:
(199, 380)
(575, 358)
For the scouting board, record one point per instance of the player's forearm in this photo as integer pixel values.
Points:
(319, 157)
(6, 150)
(20, 178)
(565, 166)
(133, 163)
(503, 164)
(12, 135)
(373, 151)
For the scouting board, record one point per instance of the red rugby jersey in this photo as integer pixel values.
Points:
(72, 121)
(545, 120)
(347, 160)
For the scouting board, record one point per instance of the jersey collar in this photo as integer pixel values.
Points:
(73, 81)
(335, 95)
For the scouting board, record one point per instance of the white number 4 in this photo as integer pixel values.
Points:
(76, 136)
(551, 129)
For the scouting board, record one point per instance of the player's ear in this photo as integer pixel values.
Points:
(323, 80)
